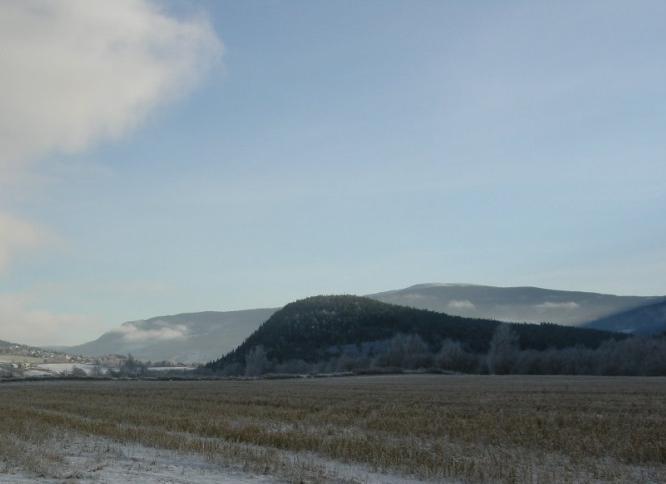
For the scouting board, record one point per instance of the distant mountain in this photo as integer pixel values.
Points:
(317, 328)
(644, 320)
(201, 337)
(528, 304)
(187, 338)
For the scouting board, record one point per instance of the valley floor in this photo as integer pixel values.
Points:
(357, 429)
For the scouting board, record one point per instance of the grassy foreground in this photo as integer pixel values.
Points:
(431, 427)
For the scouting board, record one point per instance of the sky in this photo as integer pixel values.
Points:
(168, 157)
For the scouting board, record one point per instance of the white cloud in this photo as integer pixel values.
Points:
(79, 71)
(463, 304)
(22, 323)
(74, 73)
(568, 305)
(163, 332)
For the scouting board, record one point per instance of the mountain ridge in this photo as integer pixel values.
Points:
(198, 337)
(316, 328)
(513, 303)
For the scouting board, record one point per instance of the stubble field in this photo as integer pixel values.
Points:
(358, 429)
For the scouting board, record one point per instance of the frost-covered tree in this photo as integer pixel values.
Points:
(294, 367)
(406, 351)
(504, 350)
(78, 372)
(256, 361)
(452, 356)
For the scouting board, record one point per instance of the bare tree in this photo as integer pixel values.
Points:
(256, 361)
(406, 351)
(78, 372)
(452, 356)
(503, 352)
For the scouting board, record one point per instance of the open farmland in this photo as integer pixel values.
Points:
(367, 429)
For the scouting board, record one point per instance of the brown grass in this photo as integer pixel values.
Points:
(469, 428)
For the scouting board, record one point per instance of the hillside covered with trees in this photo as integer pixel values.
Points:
(328, 333)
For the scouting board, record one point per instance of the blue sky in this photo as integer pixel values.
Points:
(353, 147)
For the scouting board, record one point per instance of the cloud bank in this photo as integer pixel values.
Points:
(162, 331)
(20, 322)
(461, 304)
(74, 73)
(567, 305)
(77, 72)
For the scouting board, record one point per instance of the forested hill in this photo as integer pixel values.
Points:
(644, 320)
(317, 328)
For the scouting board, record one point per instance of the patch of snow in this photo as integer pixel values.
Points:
(90, 460)
(68, 368)
(36, 373)
(171, 368)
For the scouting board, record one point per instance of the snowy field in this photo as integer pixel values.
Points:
(380, 429)
(68, 368)
(88, 460)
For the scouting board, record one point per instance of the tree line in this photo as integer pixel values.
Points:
(630, 356)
